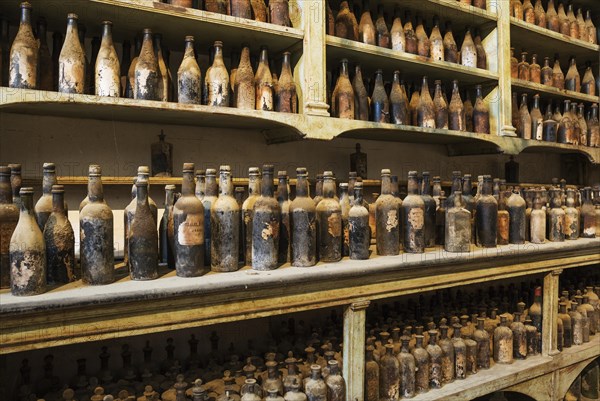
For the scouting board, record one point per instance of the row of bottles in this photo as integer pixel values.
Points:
(147, 76)
(565, 22)
(273, 11)
(401, 36)
(572, 126)
(391, 104)
(553, 75)
(289, 362)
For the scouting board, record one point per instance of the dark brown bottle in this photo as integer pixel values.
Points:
(24, 57)
(259, 10)
(572, 79)
(486, 216)
(523, 68)
(329, 220)
(380, 103)
(371, 376)
(440, 107)
(558, 78)
(588, 83)
(594, 127)
(519, 337)
(9, 216)
(383, 34)
(211, 193)
(367, 32)
(146, 73)
(482, 338)
(413, 215)
(346, 25)
(503, 220)
(514, 64)
(60, 241)
(241, 9)
(387, 216)
(389, 375)
(422, 366)
(546, 72)
(343, 94)
(361, 98)
(124, 67)
(45, 68)
(130, 84)
(435, 360)
(549, 126)
(287, 99)
(481, 114)
(556, 217)
(303, 223)
(423, 45)
(430, 207)
(552, 17)
(468, 107)
(456, 111)
(27, 251)
(516, 210)
(481, 55)
(188, 227)
(413, 105)
(283, 198)
(143, 237)
(43, 207)
(166, 234)
(398, 102)
(224, 226)
(397, 32)
(96, 233)
(265, 225)
(409, 34)
(425, 108)
(450, 47)
(216, 6)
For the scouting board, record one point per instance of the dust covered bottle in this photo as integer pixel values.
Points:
(217, 79)
(72, 61)
(422, 366)
(27, 251)
(440, 107)
(503, 342)
(9, 216)
(425, 108)
(23, 59)
(572, 79)
(225, 226)
(189, 82)
(413, 215)
(558, 78)
(572, 220)
(371, 375)
(516, 210)
(143, 237)
(343, 94)
(211, 192)
(188, 228)
(146, 73)
(519, 337)
(283, 197)
(45, 67)
(243, 86)
(287, 99)
(303, 229)
(60, 241)
(358, 226)
(389, 375)
(166, 233)
(423, 45)
(482, 338)
(397, 32)
(107, 77)
(43, 206)
(458, 226)
(468, 51)
(460, 353)
(407, 369)
(366, 28)
(263, 79)
(398, 102)
(314, 386)
(265, 225)
(387, 216)
(555, 218)
(346, 25)
(96, 248)
(456, 111)
(361, 98)
(435, 360)
(588, 219)
(380, 103)
(486, 216)
(503, 220)
(329, 218)
(248, 211)
(537, 221)
(430, 207)
(448, 356)
(481, 113)
(450, 47)
(383, 34)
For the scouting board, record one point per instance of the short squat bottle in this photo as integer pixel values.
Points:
(60, 241)
(387, 217)
(27, 251)
(225, 226)
(303, 222)
(265, 225)
(314, 386)
(486, 216)
(413, 215)
(458, 226)
(329, 218)
(188, 228)
(503, 342)
(358, 226)
(143, 237)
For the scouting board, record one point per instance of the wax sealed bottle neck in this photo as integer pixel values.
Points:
(456, 182)
(358, 195)
(141, 192)
(487, 186)
(48, 180)
(189, 48)
(25, 14)
(425, 185)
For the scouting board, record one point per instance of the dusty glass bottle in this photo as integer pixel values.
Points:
(314, 386)
(537, 120)
(27, 251)
(366, 28)
(361, 98)
(537, 221)
(549, 126)
(188, 228)
(189, 82)
(458, 226)
(577, 322)
(380, 103)
(9, 216)
(96, 233)
(468, 51)
(43, 207)
(107, 79)
(558, 78)
(566, 125)
(329, 220)
(423, 45)
(336, 385)
(397, 32)
(460, 353)
(430, 207)
(546, 72)
(303, 223)
(166, 234)
(565, 318)
(346, 25)
(409, 34)
(383, 34)
(398, 102)
(23, 60)
(15, 182)
(516, 206)
(224, 226)
(556, 218)
(422, 366)
(425, 108)
(45, 68)
(436, 41)
(435, 360)
(60, 242)
(72, 61)
(440, 107)
(130, 84)
(481, 113)
(553, 22)
(564, 25)
(146, 74)
(143, 236)
(486, 216)
(482, 338)
(283, 198)
(265, 225)
(389, 375)
(413, 105)
(572, 79)
(217, 79)
(259, 10)
(523, 68)
(358, 226)
(211, 193)
(519, 337)
(481, 54)
(343, 94)
(572, 220)
(588, 83)
(588, 216)
(448, 356)
(413, 215)
(263, 80)
(243, 87)
(450, 47)
(371, 375)
(456, 110)
(590, 29)
(524, 119)
(503, 342)
(406, 370)
(286, 97)
(387, 216)
(594, 128)
(241, 9)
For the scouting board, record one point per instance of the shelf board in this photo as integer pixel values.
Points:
(550, 92)
(534, 146)
(131, 16)
(545, 43)
(499, 377)
(128, 308)
(372, 57)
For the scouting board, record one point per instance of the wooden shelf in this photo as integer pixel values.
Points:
(533, 146)
(549, 92)
(372, 57)
(545, 43)
(75, 313)
(131, 16)
(499, 377)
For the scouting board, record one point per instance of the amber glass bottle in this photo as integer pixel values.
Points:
(450, 47)
(430, 207)
(189, 80)
(146, 71)
(425, 109)
(481, 113)
(413, 215)
(440, 107)
(343, 94)
(366, 28)
(217, 79)
(398, 102)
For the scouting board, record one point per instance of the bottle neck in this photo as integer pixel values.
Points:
(253, 184)
(319, 187)
(107, 39)
(95, 191)
(142, 194)
(27, 204)
(467, 185)
(358, 196)
(25, 16)
(187, 183)
(48, 180)
(58, 202)
(286, 64)
(412, 185)
(5, 189)
(329, 187)
(344, 69)
(72, 28)
(379, 79)
(267, 184)
(189, 49)
(386, 184)
(169, 197)
(456, 183)
(486, 188)
(425, 185)
(212, 188)
(282, 189)
(225, 184)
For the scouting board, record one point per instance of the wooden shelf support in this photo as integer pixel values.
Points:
(550, 313)
(354, 349)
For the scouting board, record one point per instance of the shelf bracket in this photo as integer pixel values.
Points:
(550, 313)
(354, 349)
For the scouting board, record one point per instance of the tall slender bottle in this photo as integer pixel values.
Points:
(556, 218)
(423, 44)
(546, 73)
(413, 216)
(189, 79)
(343, 94)
(146, 74)
(430, 207)
(217, 79)
(552, 17)
(380, 103)
(96, 248)
(107, 67)
(387, 216)
(60, 241)
(188, 227)
(594, 128)
(486, 216)
(397, 32)
(572, 218)
(367, 32)
(283, 197)
(9, 216)
(244, 90)
(436, 41)
(45, 68)
(27, 251)
(425, 108)
(143, 237)
(590, 29)
(482, 338)
(383, 34)
(71, 62)
(516, 209)
(588, 216)
(224, 226)
(248, 210)
(422, 366)
(468, 51)
(440, 107)
(24, 56)
(166, 234)
(450, 47)
(287, 99)
(435, 360)
(409, 34)
(398, 102)
(264, 83)
(537, 221)
(211, 192)
(481, 113)
(456, 110)
(265, 225)
(358, 226)
(572, 79)
(481, 54)
(448, 356)
(329, 222)
(303, 228)
(361, 98)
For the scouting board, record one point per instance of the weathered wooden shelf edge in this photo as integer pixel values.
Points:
(130, 308)
(548, 34)
(502, 377)
(532, 87)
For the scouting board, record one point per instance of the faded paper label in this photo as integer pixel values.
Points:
(334, 225)
(416, 218)
(191, 231)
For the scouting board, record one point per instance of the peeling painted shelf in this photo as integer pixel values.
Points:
(129, 17)
(127, 308)
(550, 92)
